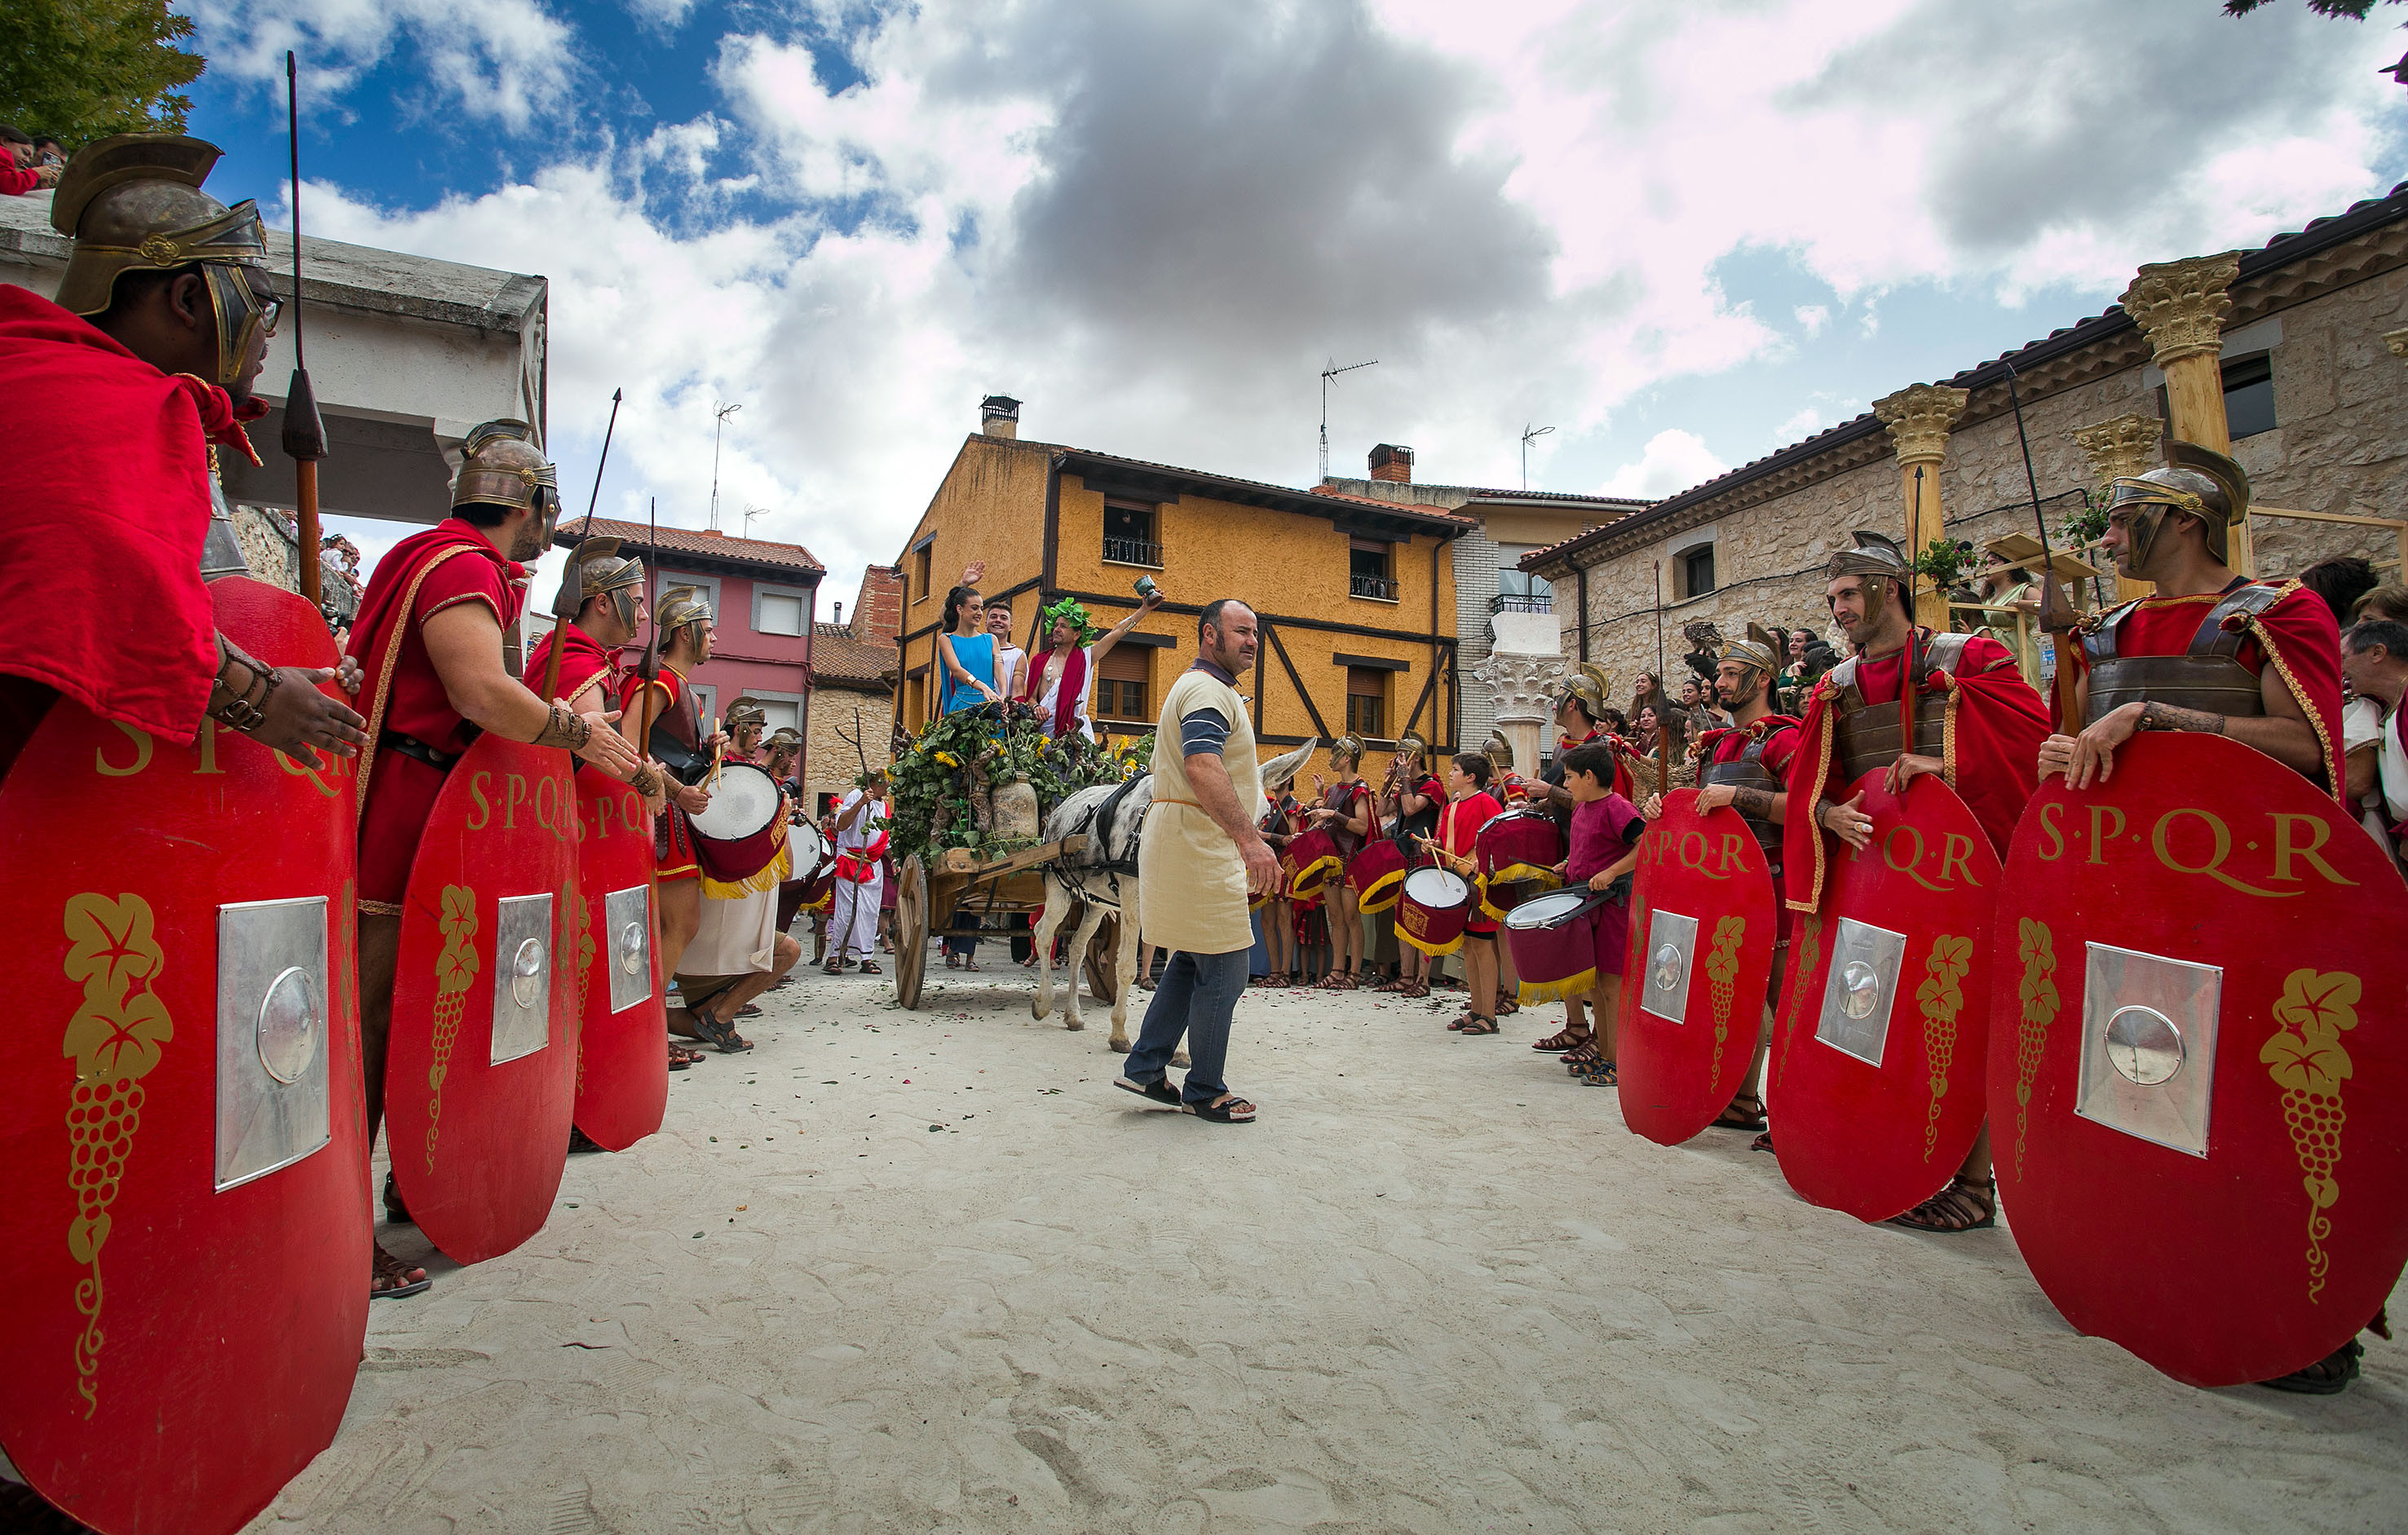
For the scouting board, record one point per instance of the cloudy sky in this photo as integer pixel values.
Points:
(1682, 236)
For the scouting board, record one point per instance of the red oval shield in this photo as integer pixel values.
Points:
(2197, 1077)
(187, 1217)
(482, 1069)
(1879, 1047)
(1702, 937)
(623, 1069)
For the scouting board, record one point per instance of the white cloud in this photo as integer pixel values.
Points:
(1799, 427)
(490, 61)
(1674, 461)
(1811, 317)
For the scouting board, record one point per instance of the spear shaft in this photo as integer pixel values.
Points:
(552, 663)
(2052, 598)
(305, 430)
(1663, 708)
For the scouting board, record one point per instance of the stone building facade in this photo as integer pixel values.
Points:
(1507, 631)
(2314, 397)
(853, 665)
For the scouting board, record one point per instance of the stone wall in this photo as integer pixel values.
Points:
(2341, 407)
(1475, 582)
(832, 765)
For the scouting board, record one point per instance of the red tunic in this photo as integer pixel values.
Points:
(1995, 725)
(673, 853)
(450, 563)
(2296, 631)
(582, 663)
(107, 486)
(1458, 832)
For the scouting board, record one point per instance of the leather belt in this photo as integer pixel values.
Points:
(411, 745)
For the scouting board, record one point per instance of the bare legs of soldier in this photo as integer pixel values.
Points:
(1345, 940)
(1745, 1110)
(680, 919)
(784, 954)
(380, 957)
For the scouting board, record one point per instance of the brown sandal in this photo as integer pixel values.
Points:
(389, 1277)
(1479, 1023)
(1566, 1040)
(1736, 1117)
(1967, 1204)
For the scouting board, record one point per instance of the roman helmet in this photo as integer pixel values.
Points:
(132, 203)
(745, 711)
(596, 569)
(1756, 650)
(1414, 746)
(1590, 685)
(679, 607)
(1879, 560)
(1499, 750)
(2197, 480)
(1349, 746)
(500, 465)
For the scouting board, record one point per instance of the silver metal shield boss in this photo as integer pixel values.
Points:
(626, 923)
(1860, 990)
(2148, 1045)
(1671, 944)
(522, 977)
(272, 1097)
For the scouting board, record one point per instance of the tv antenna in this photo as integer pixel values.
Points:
(750, 513)
(1528, 433)
(1332, 371)
(722, 412)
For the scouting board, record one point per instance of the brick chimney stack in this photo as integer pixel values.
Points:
(1391, 462)
(878, 614)
(999, 417)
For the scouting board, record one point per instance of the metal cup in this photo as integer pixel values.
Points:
(1145, 587)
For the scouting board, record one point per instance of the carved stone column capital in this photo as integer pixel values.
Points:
(2182, 304)
(1525, 685)
(2398, 342)
(1919, 418)
(2121, 445)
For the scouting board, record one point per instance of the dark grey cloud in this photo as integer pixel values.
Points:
(1236, 178)
(2055, 114)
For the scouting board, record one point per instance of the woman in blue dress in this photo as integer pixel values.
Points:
(965, 654)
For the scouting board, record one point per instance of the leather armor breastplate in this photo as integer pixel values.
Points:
(1867, 736)
(2208, 676)
(1749, 772)
(677, 740)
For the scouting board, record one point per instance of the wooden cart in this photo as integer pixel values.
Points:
(968, 888)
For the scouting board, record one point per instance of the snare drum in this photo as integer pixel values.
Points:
(1314, 857)
(812, 851)
(1432, 912)
(739, 839)
(1516, 854)
(1375, 876)
(1554, 942)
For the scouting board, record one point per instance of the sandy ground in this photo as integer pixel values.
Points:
(930, 1272)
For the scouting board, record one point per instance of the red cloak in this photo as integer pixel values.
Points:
(2296, 631)
(449, 563)
(107, 484)
(582, 661)
(1067, 694)
(1995, 723)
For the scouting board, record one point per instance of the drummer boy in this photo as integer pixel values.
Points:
(1468, 808)
(1603, 847)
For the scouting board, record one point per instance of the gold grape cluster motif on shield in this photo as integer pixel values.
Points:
(455, 970)
(2307, 1061)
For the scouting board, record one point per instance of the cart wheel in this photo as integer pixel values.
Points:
(910, 932)
(1103, 949)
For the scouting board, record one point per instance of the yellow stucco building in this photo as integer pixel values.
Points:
(1357, 596)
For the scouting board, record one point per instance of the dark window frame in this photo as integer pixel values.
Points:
(1139, 541)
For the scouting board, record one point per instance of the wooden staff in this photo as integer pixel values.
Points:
(1663, 726)
(1906, 677)
(305, 430)
(551, 665)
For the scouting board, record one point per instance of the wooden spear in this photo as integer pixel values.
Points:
(305, 430)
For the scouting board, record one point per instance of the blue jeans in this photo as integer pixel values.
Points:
(1197, 993)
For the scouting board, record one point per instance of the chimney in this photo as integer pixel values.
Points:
(999, 417)
(1391, 462)
(839, 620)
(878, 613)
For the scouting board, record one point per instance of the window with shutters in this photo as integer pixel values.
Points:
(1121, 683)
(780, 611)
(1366, 701)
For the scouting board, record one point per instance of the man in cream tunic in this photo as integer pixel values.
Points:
(1198, 861)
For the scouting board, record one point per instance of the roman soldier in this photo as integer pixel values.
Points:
(2257, 661)
(124, 392)
(429, 637)
(1344, 810)
(1976, 723)
(1745, 765)
(746, 722)
(677, 744)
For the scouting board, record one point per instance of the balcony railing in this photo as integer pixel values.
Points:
(1522, 602)
(1133, 551)
(1380, 587)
